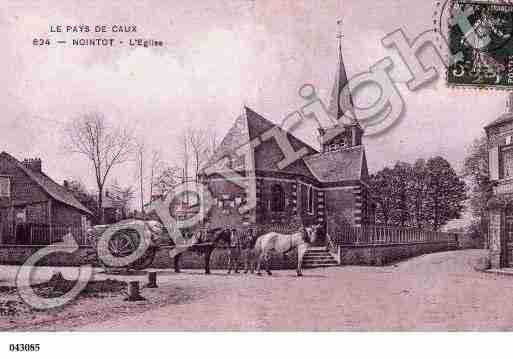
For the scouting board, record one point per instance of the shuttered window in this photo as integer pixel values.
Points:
(5, 187)
(493, 163)
(506, 163)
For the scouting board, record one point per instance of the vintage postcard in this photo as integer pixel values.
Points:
(255, 166)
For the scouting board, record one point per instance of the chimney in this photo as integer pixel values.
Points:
(33, 163)
(66, 184)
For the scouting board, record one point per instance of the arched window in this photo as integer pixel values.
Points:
(310, 199)
(277, 198)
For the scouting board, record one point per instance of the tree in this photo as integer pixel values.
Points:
(401, 180)
(103, 145)
(382, 188)
(139, 159)
(167, 177)
(475, 168)
(418, 192)
(446, 192)
(156, 161)
(200, 146)
(80, 192)
(122, 196)
(429, 193)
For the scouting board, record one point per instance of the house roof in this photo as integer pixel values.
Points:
(505, 117)
(344, 164)
(54, 190)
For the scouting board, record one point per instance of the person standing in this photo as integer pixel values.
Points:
(248, 251)
(234, 252)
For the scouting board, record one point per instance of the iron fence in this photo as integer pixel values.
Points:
(378, 235)
(40, 234)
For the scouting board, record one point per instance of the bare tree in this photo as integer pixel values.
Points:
(156, 163)
(122, 196)
(103, 145)
(199, 145)
(140, 155)
(167, 177)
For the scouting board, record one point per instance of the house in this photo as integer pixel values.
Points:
(500, 206)
(499, 134)
(34, 209)
(329, 186)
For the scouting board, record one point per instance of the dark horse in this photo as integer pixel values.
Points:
(206, 247)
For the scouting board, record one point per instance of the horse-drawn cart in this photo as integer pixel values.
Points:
(125, 238)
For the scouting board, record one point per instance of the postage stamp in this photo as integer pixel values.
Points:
(481, 33)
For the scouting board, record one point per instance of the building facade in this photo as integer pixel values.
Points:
(329, 186)
(32, 204)
(500, 206)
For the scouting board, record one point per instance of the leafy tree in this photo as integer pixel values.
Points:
(446, 192)
(418, 192)
(402, 178)
(86, 198)
(382, 187)
(427, 193)
(475, 168)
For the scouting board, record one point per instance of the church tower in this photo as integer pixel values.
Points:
(347, 132)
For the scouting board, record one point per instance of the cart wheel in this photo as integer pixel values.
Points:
(125, 242)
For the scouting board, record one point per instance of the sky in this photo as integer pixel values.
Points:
(217, 56)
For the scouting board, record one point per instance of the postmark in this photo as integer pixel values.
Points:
(481, 32)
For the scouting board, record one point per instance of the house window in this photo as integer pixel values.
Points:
(507, 162)
(277, 198)
(5, 187)
(310, 199)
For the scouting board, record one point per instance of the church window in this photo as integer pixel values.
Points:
(507, 162)
(277, 198)
(310, 199)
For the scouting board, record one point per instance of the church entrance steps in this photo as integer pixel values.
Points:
(318, 257)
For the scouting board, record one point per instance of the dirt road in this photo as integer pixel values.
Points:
(438, 291)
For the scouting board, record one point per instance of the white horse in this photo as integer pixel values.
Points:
(282, 243)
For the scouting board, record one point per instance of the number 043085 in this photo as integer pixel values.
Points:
(24, 347)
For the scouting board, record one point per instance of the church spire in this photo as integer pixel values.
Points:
(341, 80)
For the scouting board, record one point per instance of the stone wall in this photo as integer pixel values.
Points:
(385, 254)
(19, 254)
(349, 255)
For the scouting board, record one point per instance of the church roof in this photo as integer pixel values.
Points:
(344, 164)
(248, 126)
(341, 92)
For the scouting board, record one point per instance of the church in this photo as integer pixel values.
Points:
(329, 186)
